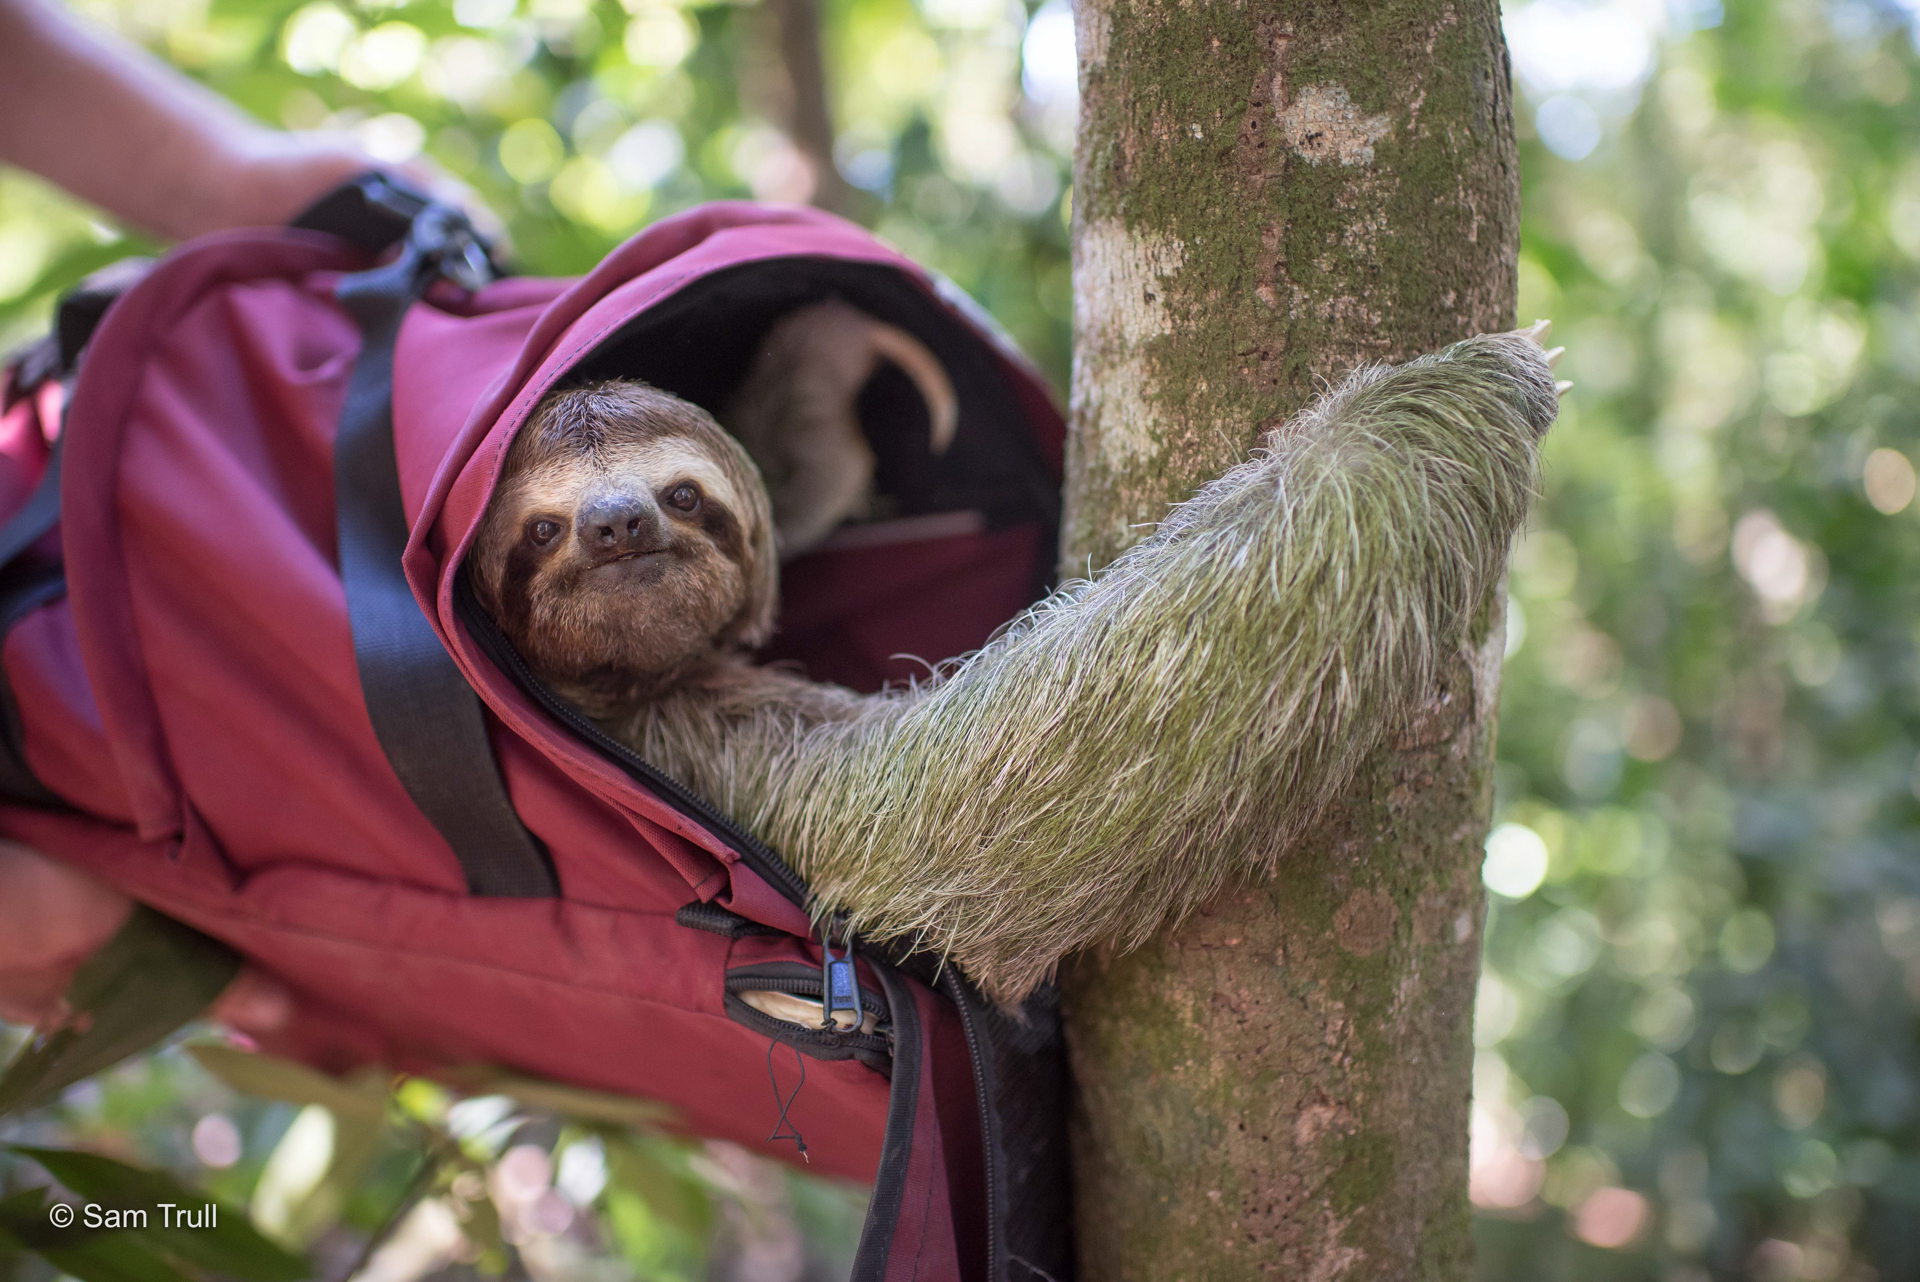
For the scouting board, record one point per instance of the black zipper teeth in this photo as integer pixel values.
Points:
(970, 1026)
(761, 859)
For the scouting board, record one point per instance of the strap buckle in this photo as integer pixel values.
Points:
(447, 241)
(374, 212)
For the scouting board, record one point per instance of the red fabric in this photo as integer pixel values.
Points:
(195, 695)
(864, 617)
(925, 1245)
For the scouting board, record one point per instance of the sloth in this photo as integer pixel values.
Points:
(1113, 756)
(796, 414)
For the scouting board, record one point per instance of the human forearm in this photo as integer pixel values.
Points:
(53, 917)
(116, 127)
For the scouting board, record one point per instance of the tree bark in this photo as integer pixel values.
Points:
(1267, 193)
(784, 78)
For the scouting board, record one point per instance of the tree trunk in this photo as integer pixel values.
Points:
(1268, 193)
(811, 123)
(783, 77)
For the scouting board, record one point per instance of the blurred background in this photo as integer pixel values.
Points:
(1697, 1053)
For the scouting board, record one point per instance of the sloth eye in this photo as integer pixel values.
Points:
(542, 531)
(684, 497)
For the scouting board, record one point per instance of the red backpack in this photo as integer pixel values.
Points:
(244, 683)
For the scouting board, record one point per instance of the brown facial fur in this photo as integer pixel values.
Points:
(628, 593)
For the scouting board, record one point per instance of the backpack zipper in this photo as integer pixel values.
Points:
(755, 853)
(879, 1040)
(989, 1135)
(759, 857)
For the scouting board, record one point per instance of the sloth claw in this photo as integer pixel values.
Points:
(1554, 355)
(1537, 332)
(1562, 388)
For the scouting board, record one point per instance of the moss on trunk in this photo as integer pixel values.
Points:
(1268, 193)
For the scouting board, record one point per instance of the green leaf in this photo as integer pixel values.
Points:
(152, 977)
(321, 1161)
(481, 1224)
(556, 1097)
(90, 1254)
(74, 265)
(229, 1245)
(363, 1096)
(357, 1145)
(23, 1215)
(654, 1171)
(28, 1206)
(113, 1257)
(656, 1248)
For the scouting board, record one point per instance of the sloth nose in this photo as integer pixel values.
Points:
(617, 524)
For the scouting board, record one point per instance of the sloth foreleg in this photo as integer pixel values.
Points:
(1184, 716)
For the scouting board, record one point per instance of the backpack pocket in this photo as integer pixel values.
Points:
(781, 1000)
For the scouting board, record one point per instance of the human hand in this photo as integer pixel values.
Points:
(53, 917)
(269, 177)
(113, 125)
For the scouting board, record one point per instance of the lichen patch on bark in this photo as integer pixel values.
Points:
(1319, 1115)
(1091, 30)
(1335, 1262)
(1123, 278)
(1321, 123)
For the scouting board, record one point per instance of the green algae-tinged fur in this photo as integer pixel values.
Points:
(1183, 717)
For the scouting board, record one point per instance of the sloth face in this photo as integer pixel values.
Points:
(629, 541)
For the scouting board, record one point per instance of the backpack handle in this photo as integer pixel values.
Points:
(427, 718)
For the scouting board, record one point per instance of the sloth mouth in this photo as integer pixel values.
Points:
(632, 556)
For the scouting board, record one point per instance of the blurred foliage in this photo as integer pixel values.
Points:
(580, 121)
(396, 1179)
(1697, 1039)
(1698, 1054)
(154, 976)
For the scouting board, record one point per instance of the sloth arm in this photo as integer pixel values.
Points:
(1183, 717)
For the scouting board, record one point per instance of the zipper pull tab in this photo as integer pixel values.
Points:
(839, 986)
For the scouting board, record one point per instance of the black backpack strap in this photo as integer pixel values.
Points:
(372, 213)
(889, 1200)
(1020, 1078)
(427, 718)
(26, 584)
(27, 580)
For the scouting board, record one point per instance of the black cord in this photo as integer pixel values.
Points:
(784, 1129)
